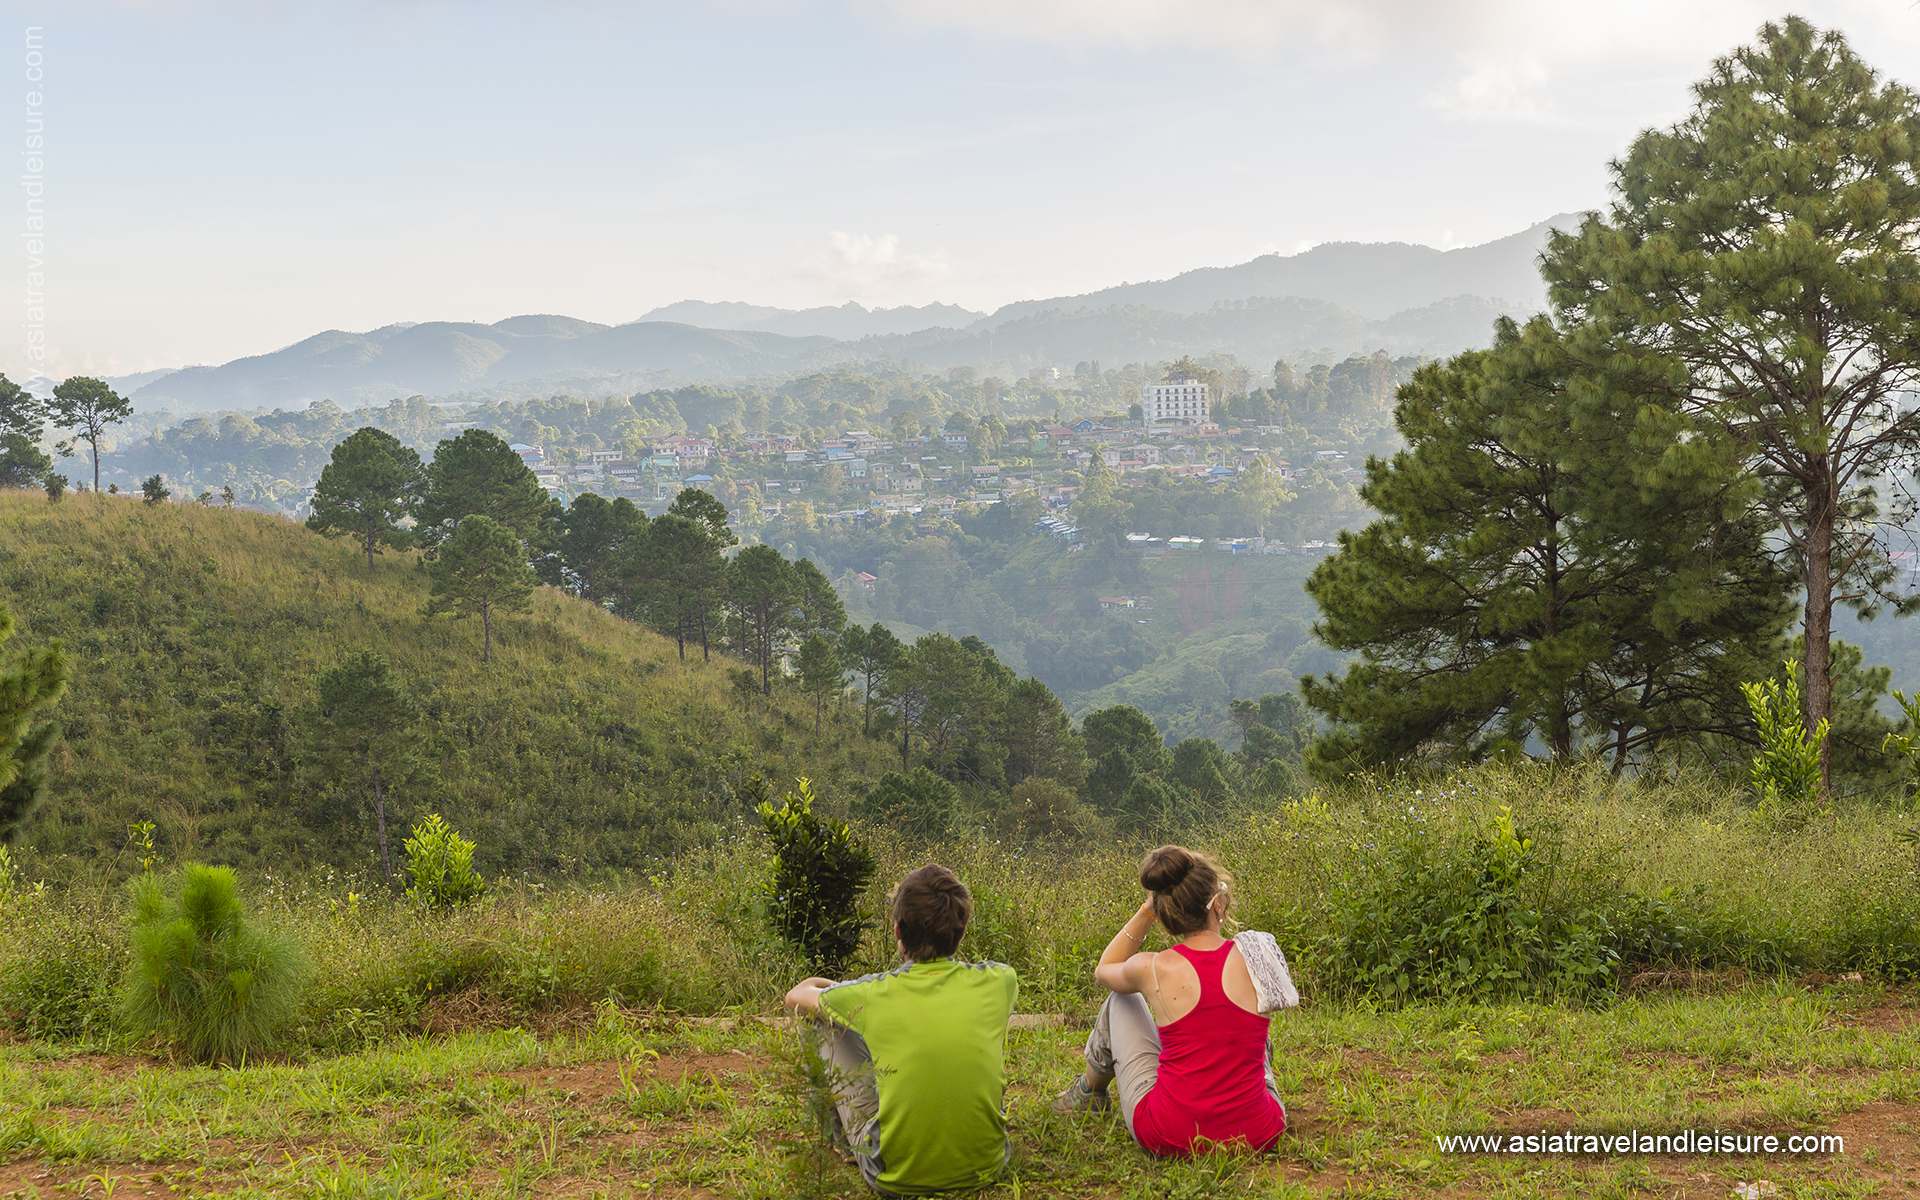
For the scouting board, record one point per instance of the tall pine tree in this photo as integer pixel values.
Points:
(1556, 560)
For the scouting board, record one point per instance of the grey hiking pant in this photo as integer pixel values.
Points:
(1124, 1046)
(856, 1097)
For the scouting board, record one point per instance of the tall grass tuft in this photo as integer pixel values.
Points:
(205, 977)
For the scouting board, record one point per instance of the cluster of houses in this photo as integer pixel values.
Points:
(1149, 546)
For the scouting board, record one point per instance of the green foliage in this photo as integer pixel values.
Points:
(821, 673)
(370, 485)
(1786, 769)
(22, 463)
(1795, 177)
(363, 731)
(88, 408)
(153, 490)
(205, 631)
(919, 804)
(1556, 559)
(820, 870)
(478, 474)
(481, 570)
(27, 690)
(1487, 916)
(204, 975)
(441, 864)
(56, 487)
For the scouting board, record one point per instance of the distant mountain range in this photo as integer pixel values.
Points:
(1326, 302)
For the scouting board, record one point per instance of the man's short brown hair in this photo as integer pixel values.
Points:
(930, 908)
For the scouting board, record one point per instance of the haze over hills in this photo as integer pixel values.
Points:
(847, 323)
(1326, 302)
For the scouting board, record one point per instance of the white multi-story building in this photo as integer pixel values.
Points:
(1175, 400)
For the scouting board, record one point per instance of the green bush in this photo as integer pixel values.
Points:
(1479, 913)
(819, 871)
(60, 967)
(441, 863)
(921, 805)
(1786, 771)
(203, 975)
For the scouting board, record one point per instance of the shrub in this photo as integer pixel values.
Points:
(154, 488)
(1478, 914)
(203, 976)
(819, 871)
(56, 486)
(60, 966)
(1786, 771)
(921, 805)
(441, 863)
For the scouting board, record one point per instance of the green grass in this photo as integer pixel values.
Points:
(646, 1104)
(196, 635)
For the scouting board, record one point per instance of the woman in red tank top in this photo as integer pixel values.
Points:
(1179, 1033)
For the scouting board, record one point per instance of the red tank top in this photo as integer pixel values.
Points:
(1213, 1079)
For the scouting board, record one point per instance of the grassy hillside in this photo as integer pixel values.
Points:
(197, 634)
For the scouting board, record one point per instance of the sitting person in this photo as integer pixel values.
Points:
(918, 1053)
(1183, 1031)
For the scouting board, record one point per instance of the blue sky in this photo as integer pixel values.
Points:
(224, 179)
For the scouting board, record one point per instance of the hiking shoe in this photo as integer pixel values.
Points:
(1080, 1098)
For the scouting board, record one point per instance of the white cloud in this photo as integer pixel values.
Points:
(860, 266)
(1512, 90)
(1239, 28)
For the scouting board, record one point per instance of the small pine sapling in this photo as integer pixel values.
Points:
(204, 977)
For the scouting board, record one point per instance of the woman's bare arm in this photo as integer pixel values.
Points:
(1122, 967)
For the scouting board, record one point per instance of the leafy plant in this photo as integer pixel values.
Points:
(441, 863)
(154, 488)
(1786, 771)
(1478, 917)
(820, 868)
(203, 975)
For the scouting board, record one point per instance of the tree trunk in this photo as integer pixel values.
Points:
(906, 732)
(819, 698)
(866, 721)
(95, 443)
(486, 624)
(370, 537)
(706, 655)
(1819, 618)
(380, 819)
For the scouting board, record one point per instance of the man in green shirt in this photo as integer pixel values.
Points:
(918, 1053)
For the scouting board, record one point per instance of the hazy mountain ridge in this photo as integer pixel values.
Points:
(1372, 279)
(1331, 300)
(849, 322)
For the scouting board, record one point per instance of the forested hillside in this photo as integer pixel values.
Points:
(198, 635)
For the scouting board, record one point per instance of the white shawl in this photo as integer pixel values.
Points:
(1267, 963)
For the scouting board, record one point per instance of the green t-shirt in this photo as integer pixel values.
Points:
(937, 1031)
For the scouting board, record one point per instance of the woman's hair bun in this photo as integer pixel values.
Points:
(1166, 868)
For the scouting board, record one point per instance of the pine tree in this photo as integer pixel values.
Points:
(370, 484)
(1759, 263)
(481, 570)
(477, 473)
(365, 725)
(871, 653)
(675, 578)
(593, 537)
(27, 690)
(764, 593)
(88, 408)
(821, 673)
(1555, 559)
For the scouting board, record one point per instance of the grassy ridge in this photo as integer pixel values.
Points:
(197, 633)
